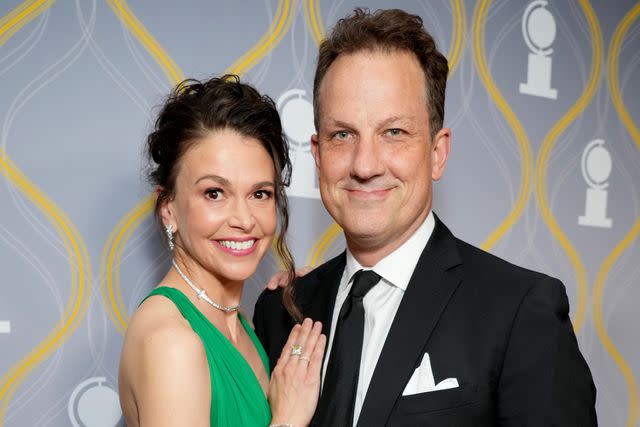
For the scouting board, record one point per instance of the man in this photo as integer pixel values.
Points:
(447, 334)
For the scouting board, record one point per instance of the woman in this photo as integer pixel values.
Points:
(190, 357)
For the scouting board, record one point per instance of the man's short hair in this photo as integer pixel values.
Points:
(387, 30)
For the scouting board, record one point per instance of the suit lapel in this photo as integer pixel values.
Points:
(432, 284)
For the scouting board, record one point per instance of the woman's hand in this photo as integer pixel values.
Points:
(281, 278)
(295, 381)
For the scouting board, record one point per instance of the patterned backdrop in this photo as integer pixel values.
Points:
(543, 100)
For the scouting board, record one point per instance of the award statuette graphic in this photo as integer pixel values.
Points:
(596, 168)
(93, 404)
(539, 32)
(297, 122)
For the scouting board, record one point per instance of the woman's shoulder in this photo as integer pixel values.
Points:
(159, 339)
(158, 323)
(162, 356)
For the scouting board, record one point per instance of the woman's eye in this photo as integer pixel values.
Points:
(213, 193)
(262, 194)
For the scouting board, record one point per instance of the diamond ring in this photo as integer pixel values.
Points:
(296, 350)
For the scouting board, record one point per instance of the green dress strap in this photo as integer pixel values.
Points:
(237, 398)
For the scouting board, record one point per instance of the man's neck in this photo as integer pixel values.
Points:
(368, 252)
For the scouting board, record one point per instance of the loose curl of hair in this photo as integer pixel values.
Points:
(387, 31)
(193, 110)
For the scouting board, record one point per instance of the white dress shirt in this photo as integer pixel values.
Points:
(380, 303)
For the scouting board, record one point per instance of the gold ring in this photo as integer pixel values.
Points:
(305, 358)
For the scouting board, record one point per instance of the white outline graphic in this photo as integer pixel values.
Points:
(5, 327)
(94, 405)
(297, 122)
(539, 32)
(596, 168)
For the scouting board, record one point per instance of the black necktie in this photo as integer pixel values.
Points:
(336, 404)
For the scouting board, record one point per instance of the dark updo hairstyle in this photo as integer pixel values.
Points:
(193, 110)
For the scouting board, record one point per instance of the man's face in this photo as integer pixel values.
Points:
(373, 151)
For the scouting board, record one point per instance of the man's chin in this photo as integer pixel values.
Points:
(364, 233)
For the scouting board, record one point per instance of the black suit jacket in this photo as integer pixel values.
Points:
(503, 331)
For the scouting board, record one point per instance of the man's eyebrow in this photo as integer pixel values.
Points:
(217, 178)
(330, 121)
(385, 122)
(395, 119)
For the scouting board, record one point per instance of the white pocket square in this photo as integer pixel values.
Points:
(422, 380)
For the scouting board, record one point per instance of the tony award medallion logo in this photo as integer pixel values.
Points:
(596, 168)
(5, 327)
(93, 404)
(297, 121)
(539, 32)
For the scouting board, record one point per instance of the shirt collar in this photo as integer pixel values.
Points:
(397, 267)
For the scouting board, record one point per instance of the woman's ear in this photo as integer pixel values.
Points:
(166, 209)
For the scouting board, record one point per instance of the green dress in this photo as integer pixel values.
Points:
(237, 398)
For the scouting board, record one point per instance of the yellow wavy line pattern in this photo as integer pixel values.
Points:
(458, 35)
(80, 284)
(76, 249)
(278, 28)
(317, 253)
(151, 45)
(612, 71)
(119, 236)
(21, 16)
(112, 253)
(524, 147)
(314, 20)
(112, 257)
(625, 369)
(614, 89)
(545, 153)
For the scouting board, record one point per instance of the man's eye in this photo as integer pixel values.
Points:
(263, 194)
(342, 134)
(213, 193)
(394, 132)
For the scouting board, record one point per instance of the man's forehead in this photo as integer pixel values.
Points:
(380, 120)
(342, 110)
(371, 57)
(377, 71)
(372, 87)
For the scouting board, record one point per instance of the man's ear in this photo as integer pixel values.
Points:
(440, 148)
(314, 149)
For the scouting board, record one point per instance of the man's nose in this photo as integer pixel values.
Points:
(367, 159)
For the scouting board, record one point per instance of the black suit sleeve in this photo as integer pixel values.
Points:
(258, 321)
(544, 378)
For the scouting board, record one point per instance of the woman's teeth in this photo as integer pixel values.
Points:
(237, 246)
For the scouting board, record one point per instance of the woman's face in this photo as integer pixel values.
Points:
(224, 210)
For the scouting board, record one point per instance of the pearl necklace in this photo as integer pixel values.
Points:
(202, 294)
